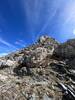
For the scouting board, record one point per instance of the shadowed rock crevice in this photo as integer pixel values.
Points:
(22, 70)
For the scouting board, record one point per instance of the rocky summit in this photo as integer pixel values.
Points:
(43, 71)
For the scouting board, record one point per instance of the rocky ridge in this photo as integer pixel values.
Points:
(42, 71)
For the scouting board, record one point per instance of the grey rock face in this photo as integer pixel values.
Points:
(8, 63)
(71, 63)
(38, 55)
(66, 50)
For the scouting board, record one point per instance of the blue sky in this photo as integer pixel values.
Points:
(23, 21)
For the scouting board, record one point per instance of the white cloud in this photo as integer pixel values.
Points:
(7, 43)
(21, 43)
(68, 13)
(4, 42)
(6, 47)
(34, 16)
(74, 32)
(3, 54)
(51, 14)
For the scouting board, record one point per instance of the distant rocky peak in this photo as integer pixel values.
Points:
(47, 41)
(43, 39)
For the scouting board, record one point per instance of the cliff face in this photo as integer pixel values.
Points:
(42, 71)
(66, 51)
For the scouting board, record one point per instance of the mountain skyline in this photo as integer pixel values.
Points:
(22, 22)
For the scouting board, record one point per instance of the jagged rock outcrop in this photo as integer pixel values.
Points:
(66, 50)
(35, 54)
(47, 41)
(7, 63)
(41, 50)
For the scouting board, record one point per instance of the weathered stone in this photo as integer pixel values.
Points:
(37, 74)
(66, 50)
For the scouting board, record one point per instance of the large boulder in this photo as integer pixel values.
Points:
(7, 63)
(66, 50)
(40, 54)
